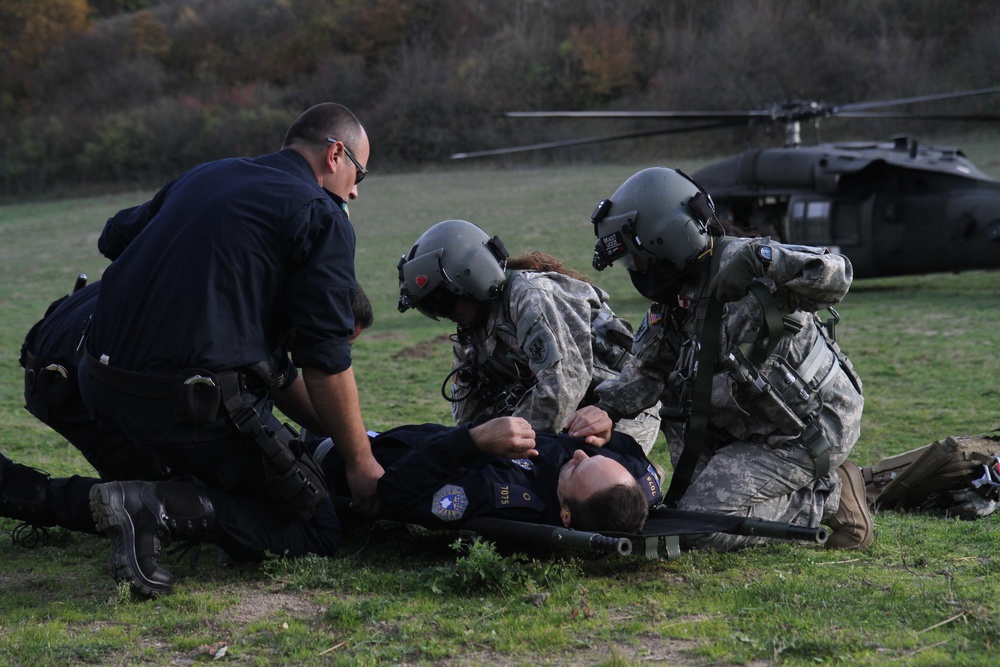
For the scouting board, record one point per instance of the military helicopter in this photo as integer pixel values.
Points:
(894, 208)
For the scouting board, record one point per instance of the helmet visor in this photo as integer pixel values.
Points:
(439, 303)
(659, 282)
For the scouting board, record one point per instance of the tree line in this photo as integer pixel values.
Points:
(125, 93)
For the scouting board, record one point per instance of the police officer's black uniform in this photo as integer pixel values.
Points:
(212, 274)
(50, 355)
(436, 477)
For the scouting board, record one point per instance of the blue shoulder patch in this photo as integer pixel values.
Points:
(450, 503)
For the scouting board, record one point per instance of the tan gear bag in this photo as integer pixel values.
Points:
(939, 476)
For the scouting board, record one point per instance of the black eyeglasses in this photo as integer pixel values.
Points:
(362, 172)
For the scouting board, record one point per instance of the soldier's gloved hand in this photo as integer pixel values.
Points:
(733, 279)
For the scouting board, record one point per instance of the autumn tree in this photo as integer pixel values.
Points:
(32, 29)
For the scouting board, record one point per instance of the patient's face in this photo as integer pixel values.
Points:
(583, 476)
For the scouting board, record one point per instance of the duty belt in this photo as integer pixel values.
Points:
(162, 386)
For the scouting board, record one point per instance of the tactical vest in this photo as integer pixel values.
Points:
(786, 395)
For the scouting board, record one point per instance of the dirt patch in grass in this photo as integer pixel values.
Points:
(423, 349)
(259, 602)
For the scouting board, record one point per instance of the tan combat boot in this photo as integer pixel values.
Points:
(852, 524)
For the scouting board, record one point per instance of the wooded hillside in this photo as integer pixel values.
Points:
(132, 92)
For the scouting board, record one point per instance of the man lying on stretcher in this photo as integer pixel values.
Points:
(439, 477)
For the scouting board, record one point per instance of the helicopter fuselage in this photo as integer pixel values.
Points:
(892, 208)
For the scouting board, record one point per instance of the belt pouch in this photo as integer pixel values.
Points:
(197, 397)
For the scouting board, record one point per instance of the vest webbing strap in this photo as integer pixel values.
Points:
(772, 326)
(701, 400)
(707, 329)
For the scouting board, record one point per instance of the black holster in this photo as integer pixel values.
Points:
(51, 384)
(293, 479)
(297, 484)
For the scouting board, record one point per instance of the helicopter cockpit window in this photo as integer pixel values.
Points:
(823, 222)
(810, 221)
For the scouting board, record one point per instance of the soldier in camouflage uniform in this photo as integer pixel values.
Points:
(782, 408)
(534, 338)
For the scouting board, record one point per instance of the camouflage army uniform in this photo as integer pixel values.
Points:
(540, 330)
(747, 466)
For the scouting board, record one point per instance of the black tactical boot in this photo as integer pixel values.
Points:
(24, 495)
(852, 523)
(141, 519)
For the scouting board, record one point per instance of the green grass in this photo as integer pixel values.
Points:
(923, 594)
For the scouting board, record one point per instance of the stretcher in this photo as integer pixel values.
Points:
(659, 539)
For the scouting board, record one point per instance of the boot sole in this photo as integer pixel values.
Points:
(107, 504)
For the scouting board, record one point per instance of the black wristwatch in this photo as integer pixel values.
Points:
(765, 254)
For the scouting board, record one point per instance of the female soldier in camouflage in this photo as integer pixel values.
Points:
(761, 408)
(534, 337)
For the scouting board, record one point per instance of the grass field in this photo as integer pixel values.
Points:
(923, 594)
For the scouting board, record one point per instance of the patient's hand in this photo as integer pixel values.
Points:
(510, 437)
(590, 423)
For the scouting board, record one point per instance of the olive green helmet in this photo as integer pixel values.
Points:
(658, 214)
(452, 259)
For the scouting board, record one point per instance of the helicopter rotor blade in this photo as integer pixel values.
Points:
(588, 140)
(860, 106)
(981, 117)
(654, 115)
(789, 112)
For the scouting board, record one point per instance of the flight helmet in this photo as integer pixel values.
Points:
(452, 259)
(658, 214)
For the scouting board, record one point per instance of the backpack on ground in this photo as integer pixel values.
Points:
(958, 476)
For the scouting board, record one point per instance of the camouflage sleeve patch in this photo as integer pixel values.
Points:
(541, 349)
(507, 496)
